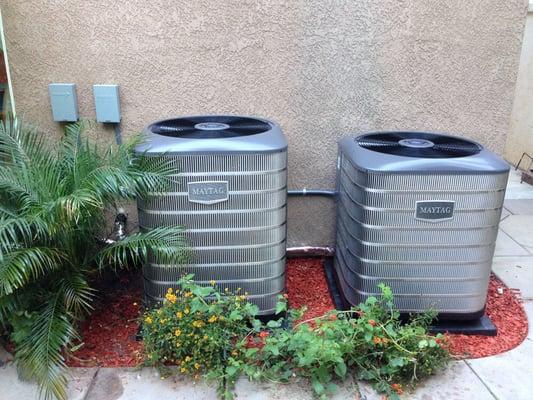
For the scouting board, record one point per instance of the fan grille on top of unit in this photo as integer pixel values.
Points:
(210, 127)
(418, 144)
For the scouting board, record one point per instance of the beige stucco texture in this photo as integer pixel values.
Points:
(520, 138)
(321, 68)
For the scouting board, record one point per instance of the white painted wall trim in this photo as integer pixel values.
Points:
(6, 62)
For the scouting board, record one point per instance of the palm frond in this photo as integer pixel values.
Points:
(152, 174)
(110, 182)
(71, 207)
(166, 244)
(53, 199)
(15, 231)
(9, 304)
(15, 190)
(40, 355)
(78, 295)
(21, 266)
(22, 146)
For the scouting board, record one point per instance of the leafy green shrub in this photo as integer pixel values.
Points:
(196, 334)
(368, 341)
(53, 200)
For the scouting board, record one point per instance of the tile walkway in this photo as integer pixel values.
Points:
(508, 376)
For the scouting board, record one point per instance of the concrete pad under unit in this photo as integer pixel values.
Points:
(516, 273)
(458, 382)
(508, 375)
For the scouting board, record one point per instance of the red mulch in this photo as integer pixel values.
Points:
(307, 286)
(506, 312)
(109, 334)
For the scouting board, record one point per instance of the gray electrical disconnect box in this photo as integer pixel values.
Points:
(64, 101)
(107, 103)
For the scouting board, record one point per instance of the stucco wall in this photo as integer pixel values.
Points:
(321, 68)
(520, 137)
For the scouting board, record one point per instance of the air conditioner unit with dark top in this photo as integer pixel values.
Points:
(230, 193)
(419, 212)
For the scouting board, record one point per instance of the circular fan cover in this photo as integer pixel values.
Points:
(418, 144)
(210, 127)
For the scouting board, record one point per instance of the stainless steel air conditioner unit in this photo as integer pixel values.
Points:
(229, 192)
(418, 212)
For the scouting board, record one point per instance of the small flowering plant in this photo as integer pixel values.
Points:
(217, 335)
(196, 327)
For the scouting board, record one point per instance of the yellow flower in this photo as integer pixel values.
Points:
(212, 282)
(206, 337)
(196, 366)
(169, 290)
(186, 311)
(183, 370)
(179, 314)
(171, 297)
(178, 344)
(212, 319)
(163, 321)
(188, 358)
(187, 294)
(234, 353)
(159, 312)
(198, 324)
(177, 332)
(148, 320)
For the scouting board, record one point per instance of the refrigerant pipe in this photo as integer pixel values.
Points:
(310, 251)
(312, 192)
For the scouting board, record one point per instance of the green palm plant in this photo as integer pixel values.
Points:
(53, 199)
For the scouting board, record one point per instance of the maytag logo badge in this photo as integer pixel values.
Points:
(434, 210)
(208, 192)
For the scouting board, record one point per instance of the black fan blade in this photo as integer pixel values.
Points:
(251, 125)
(228, 126)
(173, 130)
(369, 143)
(189, 122)
(436, 146)
(248, 130)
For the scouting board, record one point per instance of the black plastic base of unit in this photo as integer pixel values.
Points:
(269, 317)
(481, 326)
(477, 324)
(333, 285)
